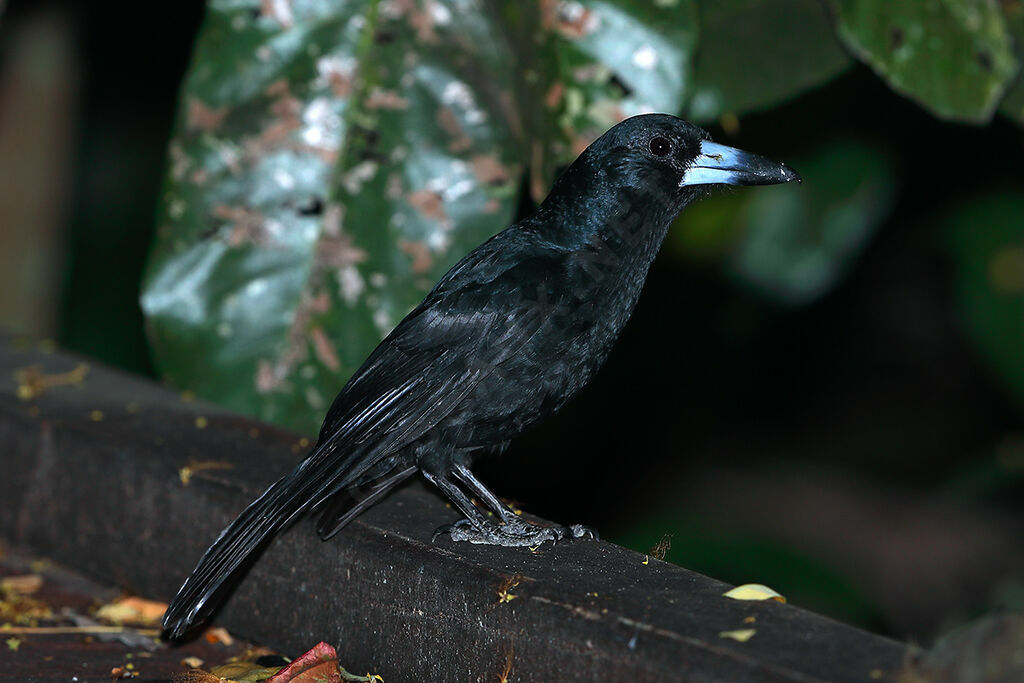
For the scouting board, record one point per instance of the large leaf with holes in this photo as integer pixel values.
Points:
(332, 160)
(757, 53)
(986, 239)
(954, 57)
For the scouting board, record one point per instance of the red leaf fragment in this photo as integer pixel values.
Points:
(319, 665)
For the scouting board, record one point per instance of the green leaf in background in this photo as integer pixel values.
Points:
(795, 242)
(754, 54)
(986, 238)
(618, 59)
(332, 161)
(1013, 104)
(954, 57)
(592, 64)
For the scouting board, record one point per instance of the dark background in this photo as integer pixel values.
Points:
(856, 454)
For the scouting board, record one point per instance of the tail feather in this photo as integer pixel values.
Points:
(252, 529)
(345, 505)
(300, 490)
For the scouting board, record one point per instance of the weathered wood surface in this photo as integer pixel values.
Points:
(91, 477)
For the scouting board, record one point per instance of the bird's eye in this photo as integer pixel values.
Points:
(660, 146)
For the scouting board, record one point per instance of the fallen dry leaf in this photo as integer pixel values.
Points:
(133, 610)
(244, 671)
(218, 634)
(198, 676)
(33, 382)
(26, 584)
(319, 665)
(741, 635)
(754, 591)
(20, 609)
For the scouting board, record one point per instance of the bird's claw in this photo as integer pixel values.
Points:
(450, 528)
(513, 535)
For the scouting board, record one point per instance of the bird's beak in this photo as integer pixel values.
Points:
(718, 164)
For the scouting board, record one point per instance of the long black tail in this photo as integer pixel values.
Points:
(250, 531)
(302, 489)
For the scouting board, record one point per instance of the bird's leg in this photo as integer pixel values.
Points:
(474, 515)
(508, 517)
(477, 528)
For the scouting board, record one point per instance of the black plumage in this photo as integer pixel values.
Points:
(508, 335)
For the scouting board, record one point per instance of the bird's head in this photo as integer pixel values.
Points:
(661, 163)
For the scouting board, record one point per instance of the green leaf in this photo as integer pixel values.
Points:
(645, 46)
(330, 163)
(755, 54)
(954, 57)
(332, 160)
(1013, 104)
(597, 63)
(793, 243)
(986, 239)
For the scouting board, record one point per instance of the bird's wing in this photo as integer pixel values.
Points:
(473, 320)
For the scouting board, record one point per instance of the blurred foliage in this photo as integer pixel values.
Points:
(1013, 104)
(794, 243)
(987, 242)
(755, 54)
(954, 56)
(331, 161)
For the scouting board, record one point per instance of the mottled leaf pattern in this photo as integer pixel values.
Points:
(333, 160)
(953, 56)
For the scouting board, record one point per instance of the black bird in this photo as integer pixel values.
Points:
(509, 334)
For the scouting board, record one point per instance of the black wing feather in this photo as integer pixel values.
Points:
(411, 381)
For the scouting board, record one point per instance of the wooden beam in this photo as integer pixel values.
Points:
(94, 476)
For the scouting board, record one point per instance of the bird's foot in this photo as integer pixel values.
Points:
(517, 534)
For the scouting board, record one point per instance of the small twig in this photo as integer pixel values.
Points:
(60, 630)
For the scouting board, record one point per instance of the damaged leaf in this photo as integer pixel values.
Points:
(332, 161)
(313, 147)
(954, 57)
(318, 665)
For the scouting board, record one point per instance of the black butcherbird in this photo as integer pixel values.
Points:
(509, 334)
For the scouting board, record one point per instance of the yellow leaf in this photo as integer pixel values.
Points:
(133, 611)
(753, 591)
(741, 635)
(25, 584)
(218, 634)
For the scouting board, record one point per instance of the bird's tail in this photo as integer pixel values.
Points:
(291, 495)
